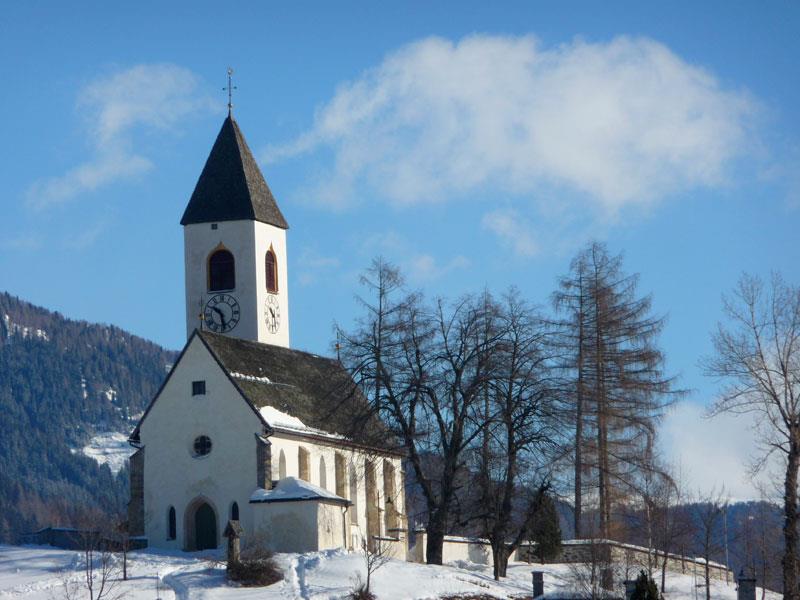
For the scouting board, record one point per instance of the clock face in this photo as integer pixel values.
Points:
(221, 313)
(272, 313)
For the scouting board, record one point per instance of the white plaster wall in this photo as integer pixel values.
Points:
(286, 526)
(331, 525)
(290, 445)
(303, 526)
(266, 236)
(172, 476)
(249, 242)
(453, 549)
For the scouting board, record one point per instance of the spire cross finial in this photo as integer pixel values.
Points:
(230, 89)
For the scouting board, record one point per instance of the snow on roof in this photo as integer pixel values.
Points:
(286, 422)
(250, 377)
(291, 489)
(273, 416)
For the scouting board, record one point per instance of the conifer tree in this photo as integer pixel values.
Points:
(546, 531)
(646, 588)
(615, 389)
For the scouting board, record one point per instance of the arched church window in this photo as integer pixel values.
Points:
(390, 514)
(353, 494)
(281, 465)
(304, 464)
(202, 445)
(171, 526)
(221, 271)
(340, 471)
(323, 473)
(235, 511)
(272, 271)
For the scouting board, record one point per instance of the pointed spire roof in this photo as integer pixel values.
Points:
(231, 186)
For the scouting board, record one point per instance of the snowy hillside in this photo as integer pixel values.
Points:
(39, 573)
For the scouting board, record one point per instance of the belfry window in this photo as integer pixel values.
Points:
(221, 271)
(272, 271)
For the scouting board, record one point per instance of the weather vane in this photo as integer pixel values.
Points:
(230, 89)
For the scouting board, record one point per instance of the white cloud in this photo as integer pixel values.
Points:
(513, 230)
(713, 452)
(149, 96)
(624, 122)
(418, 266)
(424, 267)
(87, 236)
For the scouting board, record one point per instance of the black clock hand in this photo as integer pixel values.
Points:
(221, 315)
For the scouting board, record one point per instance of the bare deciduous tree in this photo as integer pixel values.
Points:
(757, 356)
(708, 515)
(100, 572)
(520, 434)
(422, 367)
(376, 554)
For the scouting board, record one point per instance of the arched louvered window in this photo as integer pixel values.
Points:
(221, 271)
(171, 526)
(235, 511)
(271, 263)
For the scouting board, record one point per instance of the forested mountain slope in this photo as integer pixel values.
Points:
(63, 382)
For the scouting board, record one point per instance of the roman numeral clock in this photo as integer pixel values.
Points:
(272, 313)
(221, 313)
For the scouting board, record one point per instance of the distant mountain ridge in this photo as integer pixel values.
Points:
(63, 382)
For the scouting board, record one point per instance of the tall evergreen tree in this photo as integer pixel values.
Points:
(546, 530)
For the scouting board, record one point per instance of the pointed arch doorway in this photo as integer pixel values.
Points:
(201, 525)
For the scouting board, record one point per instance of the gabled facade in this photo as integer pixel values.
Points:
(245, 428)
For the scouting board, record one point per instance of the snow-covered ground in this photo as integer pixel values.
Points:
(38, 572)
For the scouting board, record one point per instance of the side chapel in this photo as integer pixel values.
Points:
(244, 427)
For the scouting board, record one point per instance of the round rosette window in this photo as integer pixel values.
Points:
(202, 445)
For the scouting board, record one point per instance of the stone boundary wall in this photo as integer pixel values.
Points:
(76, 539)
(629, 556)
(626, 556)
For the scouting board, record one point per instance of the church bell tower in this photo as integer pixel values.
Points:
(234, 239)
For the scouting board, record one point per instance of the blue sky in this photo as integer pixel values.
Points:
(475, 144)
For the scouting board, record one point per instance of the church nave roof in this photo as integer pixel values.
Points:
(316, 390)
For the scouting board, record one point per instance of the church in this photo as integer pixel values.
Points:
(245, 428)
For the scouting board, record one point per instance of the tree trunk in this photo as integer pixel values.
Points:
(790, 591)
(500, 556)
(436, 533)
(578, 459)
(579, 427)
(602, 474)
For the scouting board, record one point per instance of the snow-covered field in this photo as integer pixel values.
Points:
(109, 448)
(38, 572)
